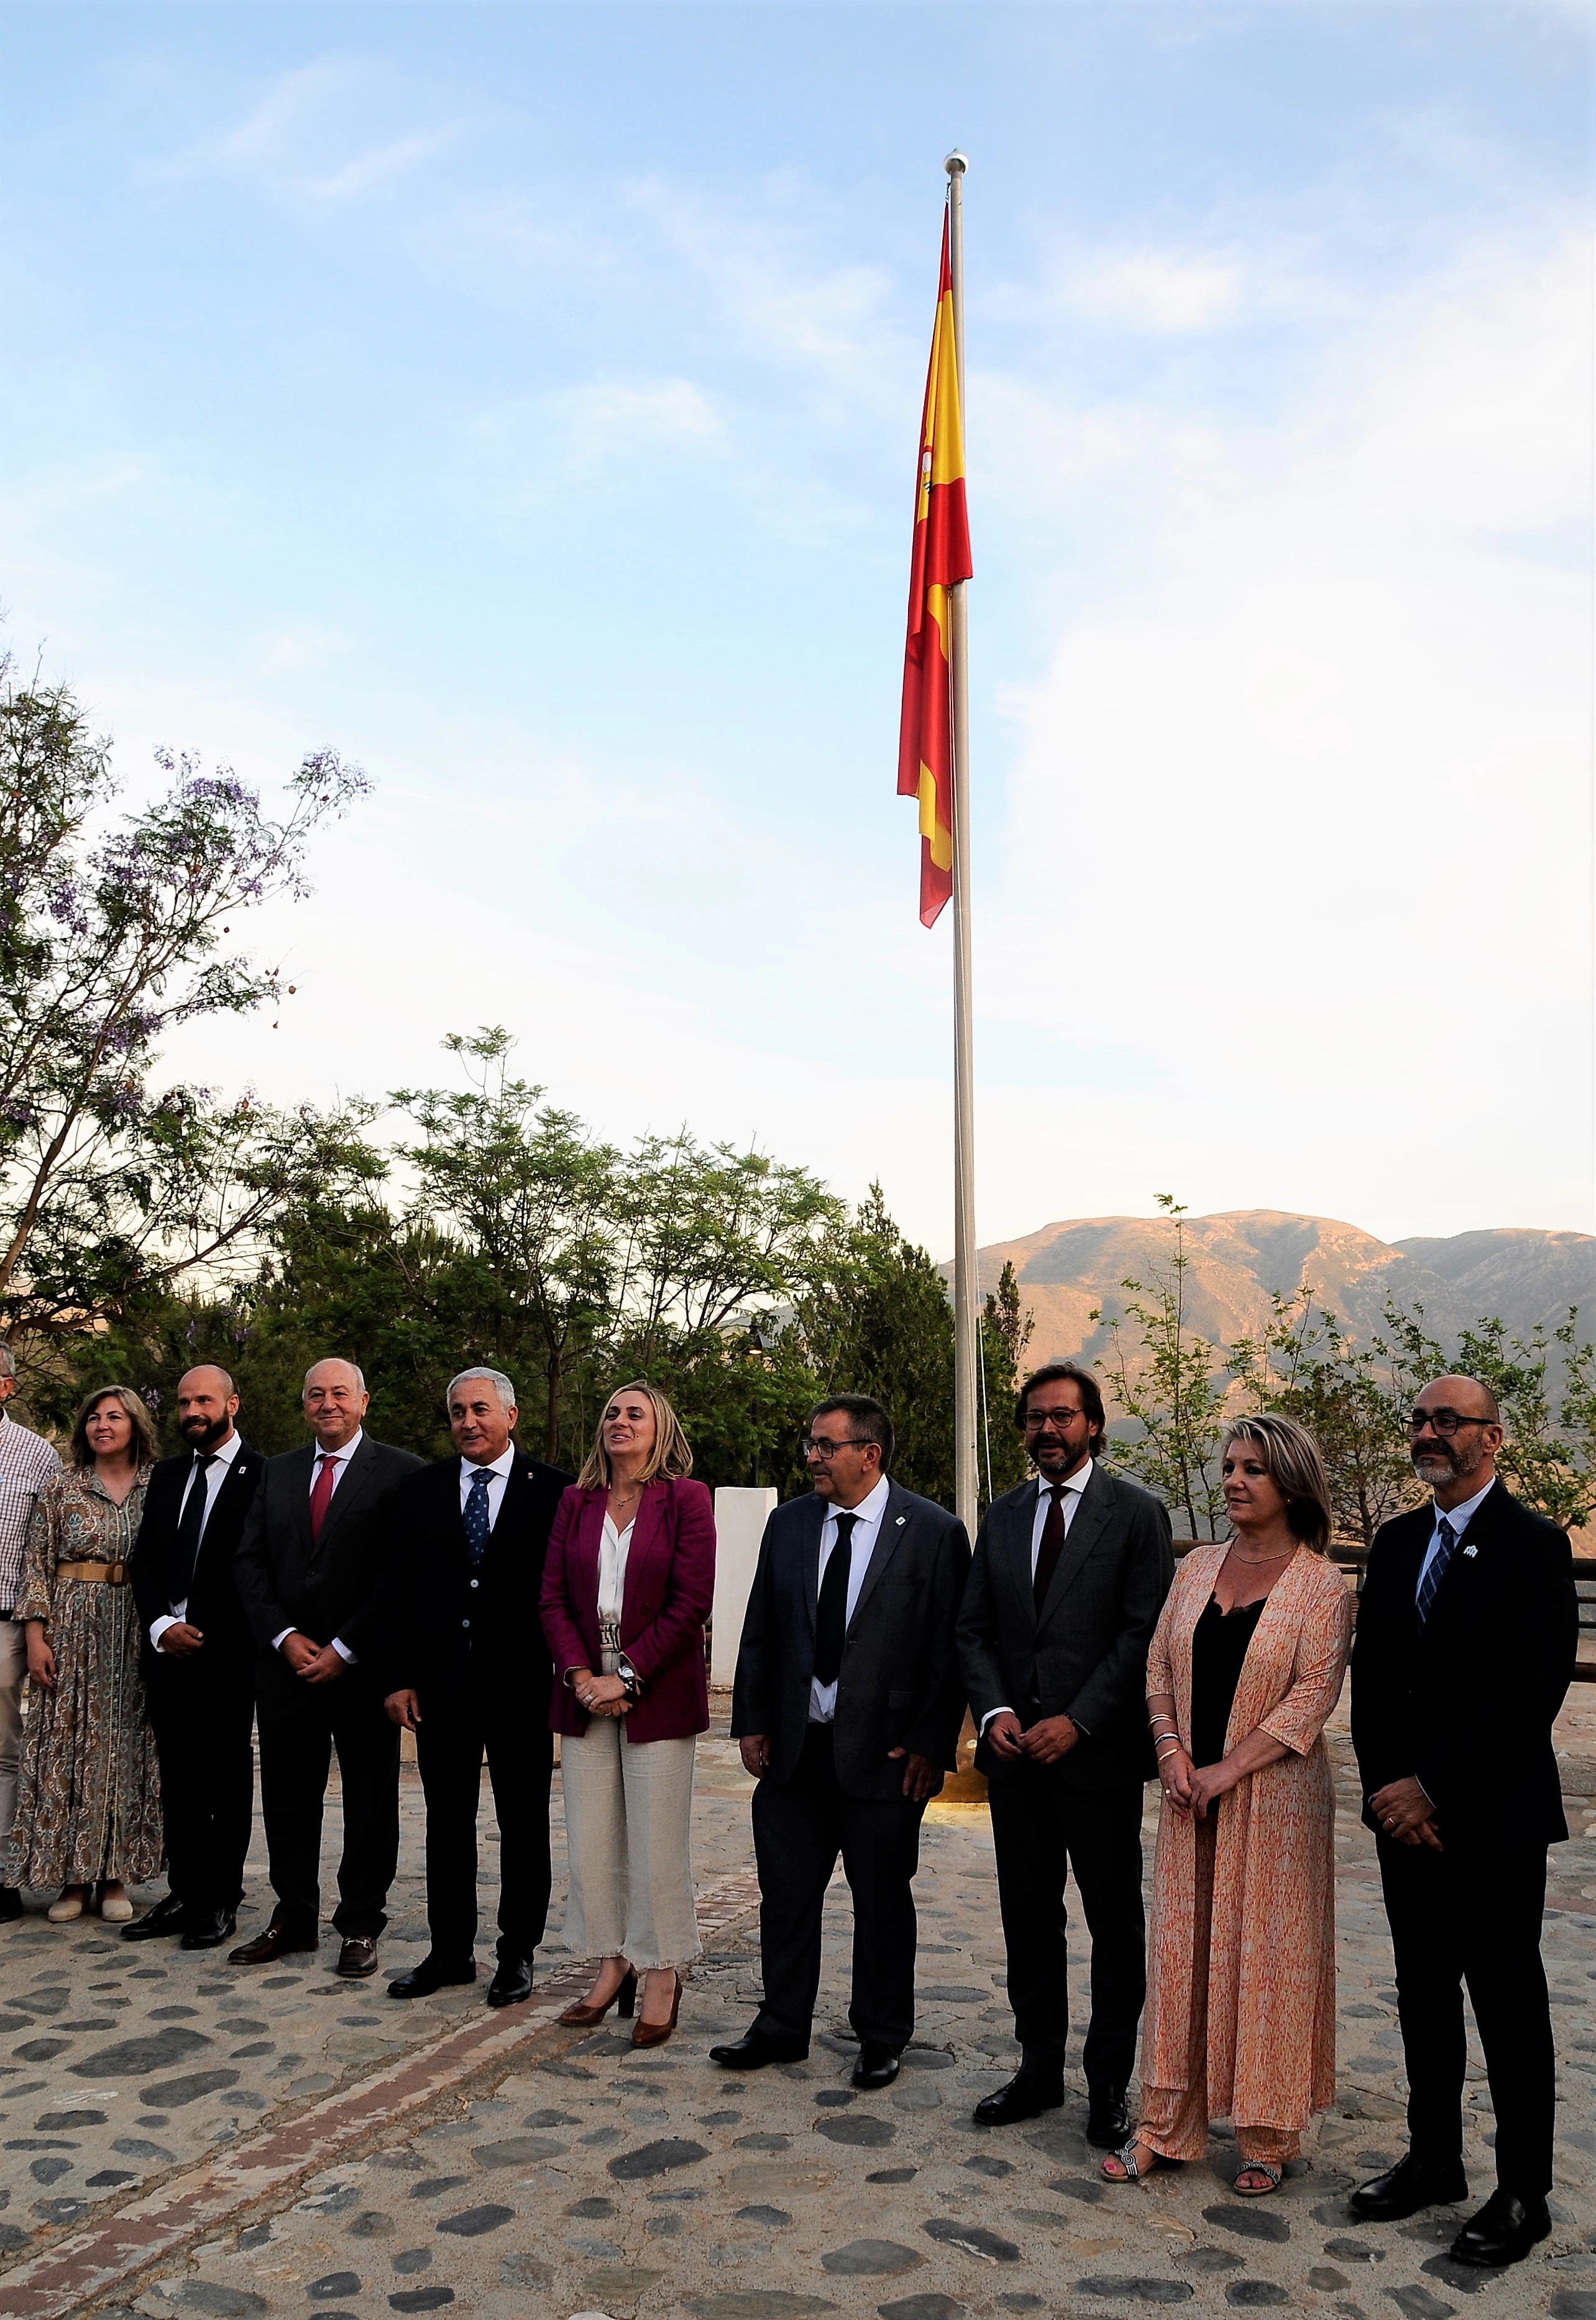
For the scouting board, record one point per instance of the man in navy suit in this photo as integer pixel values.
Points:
(467, 1671)
(1467, 1628)
(847, 1706)
(198, 1663)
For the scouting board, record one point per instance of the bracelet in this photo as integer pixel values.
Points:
(1171, 1733)
(1171, 1741)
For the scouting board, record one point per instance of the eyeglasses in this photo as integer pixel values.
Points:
(1035, 1419)
(817, 1447)
(1444, 1421)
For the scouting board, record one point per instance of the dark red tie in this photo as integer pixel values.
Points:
(1051, 1548)
(322, 1495)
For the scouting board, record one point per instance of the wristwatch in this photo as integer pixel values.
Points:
(629, 1677)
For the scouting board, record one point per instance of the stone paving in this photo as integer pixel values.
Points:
(553, 2172)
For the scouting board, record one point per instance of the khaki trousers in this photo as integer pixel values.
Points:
(629, 1821)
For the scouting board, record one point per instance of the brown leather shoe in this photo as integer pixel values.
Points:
(267, 1948)
(358, 1958)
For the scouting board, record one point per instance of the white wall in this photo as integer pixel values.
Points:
(741, 1516)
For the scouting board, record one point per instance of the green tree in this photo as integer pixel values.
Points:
(1006, 1328)
(1171, 1386)
(1304, 1366)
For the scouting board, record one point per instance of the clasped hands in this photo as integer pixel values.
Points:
(600, 1695)
(1192, 1788)
(316, 1663)
(1046, 1742)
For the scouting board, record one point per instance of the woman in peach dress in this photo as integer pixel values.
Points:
(1244, 1669)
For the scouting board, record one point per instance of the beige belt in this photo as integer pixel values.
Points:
(110, 1573)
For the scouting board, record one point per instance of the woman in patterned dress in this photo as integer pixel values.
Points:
(1245, 1667)
(89, 1797)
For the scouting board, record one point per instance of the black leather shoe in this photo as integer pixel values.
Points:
(1024, 2097)
(10, 1904)
(1406, 2188)
(1503, 2232)
(209, 1928)
(756, 2049)
(168, 1916)
(1108, 2122)
(433, 1973)
(512, 1983)
(877, 2066)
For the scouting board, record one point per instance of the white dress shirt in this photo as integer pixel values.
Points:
(614, 1547)
(1068, 1507)
(339, 1461)
(215, 1475)
(867, 1520)
(1460, 1518)
(498, 1474)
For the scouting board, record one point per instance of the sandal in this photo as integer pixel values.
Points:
(1258, 2191)
(1125, 2160)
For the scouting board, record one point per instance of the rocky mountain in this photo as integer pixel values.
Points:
(1519, 1276)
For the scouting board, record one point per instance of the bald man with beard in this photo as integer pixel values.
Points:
(197, 1659)
(1466, 1632)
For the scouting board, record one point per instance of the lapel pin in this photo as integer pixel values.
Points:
(904, 1518)
(1471, 1550)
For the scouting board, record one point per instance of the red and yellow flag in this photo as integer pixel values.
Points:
(941, 556)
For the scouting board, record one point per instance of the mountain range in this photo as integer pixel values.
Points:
(1516, 1275)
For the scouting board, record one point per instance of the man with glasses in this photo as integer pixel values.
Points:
(1069, 1576)
(1466, 1632)
(847, 1706)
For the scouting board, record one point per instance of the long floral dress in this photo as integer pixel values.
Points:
(88, 1796)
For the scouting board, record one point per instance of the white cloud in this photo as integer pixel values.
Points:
(1156, 291)
(302, 140)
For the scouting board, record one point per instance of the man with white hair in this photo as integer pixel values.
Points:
(27, 1461)
(308, 1569)
(469, 1671)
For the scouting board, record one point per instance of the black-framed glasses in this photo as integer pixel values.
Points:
(1035, 1419)
(1444, 1421)
(815, 1446)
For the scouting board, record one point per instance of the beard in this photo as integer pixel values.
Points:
(1443, 1463)
(199, 1433)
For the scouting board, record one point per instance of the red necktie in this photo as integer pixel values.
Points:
(321, 1494)
(1051, 1548)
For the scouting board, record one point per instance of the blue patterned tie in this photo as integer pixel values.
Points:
(1445, 1541)
(476, 1515)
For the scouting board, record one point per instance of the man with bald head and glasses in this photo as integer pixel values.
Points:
(1467, 1634)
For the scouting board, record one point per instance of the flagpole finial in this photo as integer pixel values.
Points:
(956, 164)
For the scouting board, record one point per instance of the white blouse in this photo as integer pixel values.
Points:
(613, 1549)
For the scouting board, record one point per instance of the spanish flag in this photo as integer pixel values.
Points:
(941, 555)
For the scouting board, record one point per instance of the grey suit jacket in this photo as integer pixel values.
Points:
(1086, 1656)
(899, 1686)
(328, 1589)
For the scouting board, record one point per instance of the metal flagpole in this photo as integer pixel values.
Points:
(966, 1338)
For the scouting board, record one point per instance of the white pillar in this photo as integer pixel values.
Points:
(741, 1516)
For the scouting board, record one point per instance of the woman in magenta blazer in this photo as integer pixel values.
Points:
(627, 1587)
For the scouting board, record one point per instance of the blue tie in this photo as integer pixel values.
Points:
(1445, 1541)
(476, 1516)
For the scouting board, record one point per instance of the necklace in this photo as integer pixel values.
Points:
(1262, 1558)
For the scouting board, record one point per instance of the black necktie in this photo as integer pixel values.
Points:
(190, 1525)
(830, 1624)
(1051, 1547)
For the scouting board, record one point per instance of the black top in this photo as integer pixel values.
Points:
(1219, 1647)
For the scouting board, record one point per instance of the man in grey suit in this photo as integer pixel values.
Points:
(306, 1571)
(847, 1704)
(1069, 1576)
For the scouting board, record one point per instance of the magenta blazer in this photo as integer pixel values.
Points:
(670, 1585)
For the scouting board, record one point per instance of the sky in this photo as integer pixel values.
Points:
(523, 401)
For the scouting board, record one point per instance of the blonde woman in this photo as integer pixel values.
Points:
(88, 1796)
(1245, 1667)
(627, 1587)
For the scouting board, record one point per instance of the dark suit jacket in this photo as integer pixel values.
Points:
(1466, 1702)
(330, 1589)
(899, 1686)
(1086, 1657)
(446, 1628)
(214, 1604)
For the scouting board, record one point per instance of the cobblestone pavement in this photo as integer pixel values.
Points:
(288, 2143)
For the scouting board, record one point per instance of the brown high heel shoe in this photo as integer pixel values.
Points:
(582, 2016)
(655, 2034)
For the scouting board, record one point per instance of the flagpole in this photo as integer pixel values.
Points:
(966, 1289)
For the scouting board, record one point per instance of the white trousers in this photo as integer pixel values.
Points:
(628, 1834)
(13, 1667)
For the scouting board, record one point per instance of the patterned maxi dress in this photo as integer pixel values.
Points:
(1241, 1991)
(88, 1798)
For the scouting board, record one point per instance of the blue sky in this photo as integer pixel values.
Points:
(522, 400)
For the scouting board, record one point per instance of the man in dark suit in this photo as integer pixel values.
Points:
(1467, 1628)
(846, 1706)
(468, 1672)
(308, 1569)
(1069, 1576)
(197, 1659)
